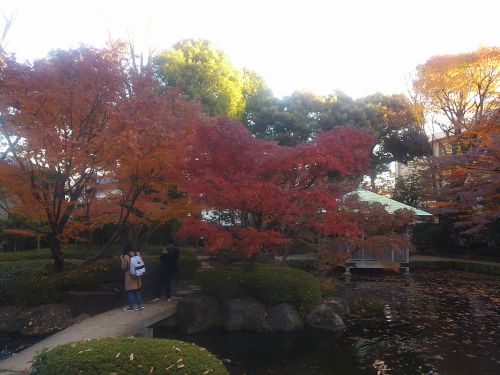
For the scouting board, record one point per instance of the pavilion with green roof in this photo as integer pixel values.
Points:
(362, 258)
(390, 204)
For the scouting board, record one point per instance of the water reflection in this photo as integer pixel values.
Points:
(430, 323)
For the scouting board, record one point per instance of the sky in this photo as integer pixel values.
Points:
(357, 46)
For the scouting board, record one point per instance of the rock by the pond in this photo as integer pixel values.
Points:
(284, 318)
(339, 304)
(198, 313)
(8, 315)
(44, 319)
(325, 317)
(169, 323)
(244, 314)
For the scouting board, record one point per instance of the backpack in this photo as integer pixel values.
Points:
(137, 267)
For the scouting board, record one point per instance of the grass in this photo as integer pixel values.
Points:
(80, 251)
(128, 356)
(27, 264)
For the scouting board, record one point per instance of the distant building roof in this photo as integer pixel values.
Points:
(390, 204)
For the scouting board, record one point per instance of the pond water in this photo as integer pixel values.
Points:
(432, 322)
(14, 343)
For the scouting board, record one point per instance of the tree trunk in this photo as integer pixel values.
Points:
(103, 252)
(55, 249)
(250, 264)
(373, 177)
(285, 254)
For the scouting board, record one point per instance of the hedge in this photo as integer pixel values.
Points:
(128, 356)
(37, 287)
(270, 284)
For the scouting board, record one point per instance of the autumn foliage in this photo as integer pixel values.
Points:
(92, 139)
(256, 194)
(90, 142)
(466, 188)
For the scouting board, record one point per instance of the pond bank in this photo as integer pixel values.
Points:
(442, 322)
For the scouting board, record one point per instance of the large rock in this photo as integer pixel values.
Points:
(244, 314)
(324, 316)
(44, 319)
(284, 318)
(198, 313)
(339, 304)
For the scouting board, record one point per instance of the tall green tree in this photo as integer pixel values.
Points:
(392, 120)
(408, 188)
(200, 71)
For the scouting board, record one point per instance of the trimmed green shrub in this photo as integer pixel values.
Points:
(128, 356)
(224, 282)
(36, 285)
(270, 284)
(32, 290)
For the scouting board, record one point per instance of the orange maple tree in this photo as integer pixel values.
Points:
(91, 141)
(465, 189)
(144, 189)
(58, 115)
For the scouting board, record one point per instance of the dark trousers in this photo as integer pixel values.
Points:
(164, 280)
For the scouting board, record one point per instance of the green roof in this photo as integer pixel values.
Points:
(390, 204)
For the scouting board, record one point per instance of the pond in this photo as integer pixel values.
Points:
(431, 322)
(14, 343)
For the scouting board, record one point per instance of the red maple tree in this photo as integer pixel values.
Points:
(256, 194)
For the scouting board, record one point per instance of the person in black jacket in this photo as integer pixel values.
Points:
(168, 268)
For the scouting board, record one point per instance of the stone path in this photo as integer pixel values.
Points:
(111, 323)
